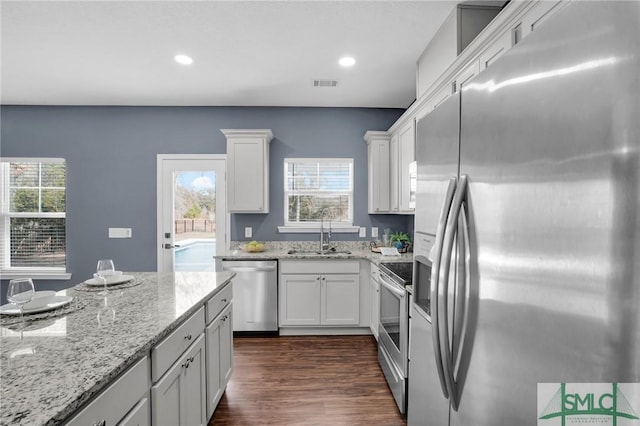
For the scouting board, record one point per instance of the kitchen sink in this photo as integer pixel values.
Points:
(318, 252)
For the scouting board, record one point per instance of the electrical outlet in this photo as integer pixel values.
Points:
(363, 232)
(374, 232)
(248, 232)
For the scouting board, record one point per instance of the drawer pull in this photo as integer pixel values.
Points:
(188, 337)
(223, 300)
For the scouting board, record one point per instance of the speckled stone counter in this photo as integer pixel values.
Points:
(61, 363)
(280, 250)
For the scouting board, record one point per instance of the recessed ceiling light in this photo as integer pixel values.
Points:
(183, 59)
(347, 61)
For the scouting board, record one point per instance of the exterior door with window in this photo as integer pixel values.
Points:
(192, 218)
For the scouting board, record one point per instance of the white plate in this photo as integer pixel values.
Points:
(110, 280)
(40, 304)
(45, 293)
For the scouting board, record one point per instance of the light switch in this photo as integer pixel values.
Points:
(248, 232)
(119, 232)
(363, 232)
(374, 232)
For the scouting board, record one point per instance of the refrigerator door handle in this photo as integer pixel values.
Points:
(443, 290)
(435, 274)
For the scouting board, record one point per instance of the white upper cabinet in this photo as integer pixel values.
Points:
(248, 170)
(389, 160)
(406, 155)
(378, 149)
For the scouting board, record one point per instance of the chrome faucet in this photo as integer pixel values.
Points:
(324, 242)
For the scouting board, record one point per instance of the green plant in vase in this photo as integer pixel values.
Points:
(399, 240)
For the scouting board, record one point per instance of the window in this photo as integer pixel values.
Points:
(313, 185)
(33, 228)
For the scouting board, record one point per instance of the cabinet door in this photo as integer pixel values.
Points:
(226, 346)
(498, 48)
(214, 389)
(165, 397)
(246, 175)
(179, 397)
(195, 385)
(299, 299)
(394, 171)
(340, 300)
(379, 176)
(467, 74)
(406, 155)
(443, 94)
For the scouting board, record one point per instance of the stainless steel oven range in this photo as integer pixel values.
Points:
(393, 340)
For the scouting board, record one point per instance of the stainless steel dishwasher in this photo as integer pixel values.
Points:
(255, 294)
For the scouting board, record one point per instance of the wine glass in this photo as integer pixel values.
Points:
(20, 292)
(106, 315)
(105, 269)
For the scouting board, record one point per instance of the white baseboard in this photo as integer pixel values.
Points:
(324, 331)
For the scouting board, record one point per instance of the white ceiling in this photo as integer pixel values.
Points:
(259, 53)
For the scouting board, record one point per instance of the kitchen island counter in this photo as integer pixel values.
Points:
(61, 363)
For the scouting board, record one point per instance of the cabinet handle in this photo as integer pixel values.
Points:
(224, 318)
(188, 337)
(100, 423)
(324, 278)
(223, 300)
(189, 361)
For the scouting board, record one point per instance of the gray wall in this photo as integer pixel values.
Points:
(111, 167)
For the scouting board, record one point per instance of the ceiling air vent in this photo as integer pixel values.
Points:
(325, 83)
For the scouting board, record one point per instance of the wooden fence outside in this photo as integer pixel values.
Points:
(194, 225)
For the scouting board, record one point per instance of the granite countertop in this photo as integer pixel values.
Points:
(281, 252)
(60, 363)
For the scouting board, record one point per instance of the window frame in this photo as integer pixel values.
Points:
(314, 226)
(40, 272)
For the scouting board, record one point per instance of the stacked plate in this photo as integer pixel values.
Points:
(117, 278)
(42, 301)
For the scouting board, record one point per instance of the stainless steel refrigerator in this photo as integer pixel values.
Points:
(529, 180)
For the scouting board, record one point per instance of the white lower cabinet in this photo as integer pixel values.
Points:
(340, 300)
(326, 294)
(123, 402)
(179, 397)
(187, 372)
(219, 341)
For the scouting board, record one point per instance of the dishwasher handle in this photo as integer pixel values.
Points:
(248, 268)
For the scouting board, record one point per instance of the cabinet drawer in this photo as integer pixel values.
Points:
(216, 304)
(139, 416)
(169, 350)
(116, 401)
(320, 267)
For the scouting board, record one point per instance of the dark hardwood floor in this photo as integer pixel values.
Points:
(310, 380)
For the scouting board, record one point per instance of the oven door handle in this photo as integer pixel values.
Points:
(393, 289)
(435, 275)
